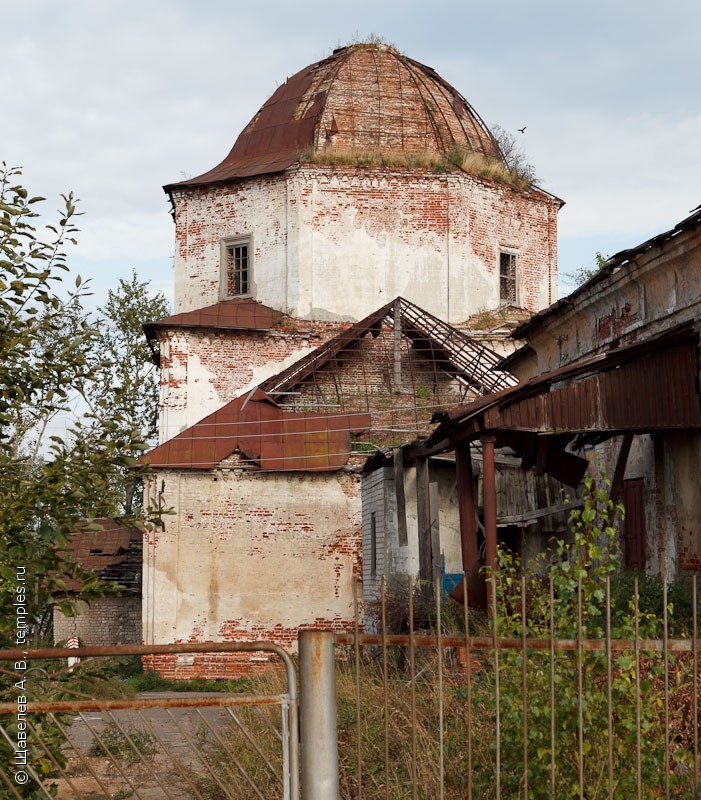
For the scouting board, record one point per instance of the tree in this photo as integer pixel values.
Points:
(55, 360)
(49, 485)
(126, 377)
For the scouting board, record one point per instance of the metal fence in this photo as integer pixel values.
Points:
(536, 698)
(553, 692)
(58, 741)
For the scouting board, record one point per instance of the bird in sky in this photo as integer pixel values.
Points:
(522, 130)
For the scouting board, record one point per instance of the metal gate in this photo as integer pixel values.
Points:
(58, 741)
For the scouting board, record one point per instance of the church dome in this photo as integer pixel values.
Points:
(364, 97)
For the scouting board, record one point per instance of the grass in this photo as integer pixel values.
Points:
(386, 721)
(123, 745)
(457, 159)
(125, 677)
(151, 681)
(376, 770)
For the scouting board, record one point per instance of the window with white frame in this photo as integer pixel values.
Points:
(236, 272)
(508, 284)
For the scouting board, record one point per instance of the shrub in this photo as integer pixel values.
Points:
(579, 574)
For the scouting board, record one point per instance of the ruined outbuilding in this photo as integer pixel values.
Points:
(325, 274)
(114, 554)
(609, 380)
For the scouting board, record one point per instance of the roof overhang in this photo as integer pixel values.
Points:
(644, 388)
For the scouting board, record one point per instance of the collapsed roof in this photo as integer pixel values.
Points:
(286, 423)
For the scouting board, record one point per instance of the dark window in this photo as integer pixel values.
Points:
(373, 544)
(237, 274)
(507, 277)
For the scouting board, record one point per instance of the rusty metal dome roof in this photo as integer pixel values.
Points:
(364, 97)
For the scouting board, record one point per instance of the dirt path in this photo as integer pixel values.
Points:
(172, 743)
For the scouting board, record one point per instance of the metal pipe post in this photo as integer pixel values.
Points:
(319, 735)
(490, 499)
(466, 509)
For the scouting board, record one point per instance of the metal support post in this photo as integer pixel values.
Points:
(490, 503)
(319, 735)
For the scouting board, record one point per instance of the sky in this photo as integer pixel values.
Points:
(112, 100)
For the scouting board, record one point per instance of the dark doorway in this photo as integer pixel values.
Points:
(634, 532)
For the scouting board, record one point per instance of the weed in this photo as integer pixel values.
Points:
(423, 392)
(151, 681)
(457, 159)
(130, 745)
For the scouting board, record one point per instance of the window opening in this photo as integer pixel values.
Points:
(237, 272)
(373, 544)
(507, 277)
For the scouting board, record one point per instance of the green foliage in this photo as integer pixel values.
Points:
(125, 377)
(151, 681)
(43, 365)
(423, 392)
(583, 274)
(54, 358)
(50, 485)
(650, 598)
(578, 572)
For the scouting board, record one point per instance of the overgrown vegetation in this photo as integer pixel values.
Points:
(488, 319)
(151, 681)
(582, 274)
(57, 362)
(517, 174)
(579, 572)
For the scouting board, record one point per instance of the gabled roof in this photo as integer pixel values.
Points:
(277, 439)
(454, 351)
(113, 554)
(265, 433)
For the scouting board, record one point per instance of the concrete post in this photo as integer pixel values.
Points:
(317, 709)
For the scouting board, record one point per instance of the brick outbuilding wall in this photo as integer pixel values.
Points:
(105, 621)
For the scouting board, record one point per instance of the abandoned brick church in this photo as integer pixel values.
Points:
(329, 274)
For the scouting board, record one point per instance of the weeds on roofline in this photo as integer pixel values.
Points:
(456, 159)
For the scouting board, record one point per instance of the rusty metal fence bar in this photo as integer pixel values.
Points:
(183, 770)
(629, 703)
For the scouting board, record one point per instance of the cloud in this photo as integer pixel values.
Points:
(621, 175)
(115, 99)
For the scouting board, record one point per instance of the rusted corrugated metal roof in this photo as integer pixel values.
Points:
(364, 96)
(264, 433)
(641, 388)
(114, 554)
(611, 391)
(236, 314)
